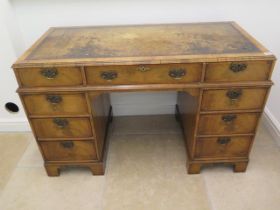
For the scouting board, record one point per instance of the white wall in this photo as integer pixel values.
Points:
(10, 45)
(258, 17)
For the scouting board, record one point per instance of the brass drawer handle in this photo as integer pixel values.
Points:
(67, 144)
(143, 68)
(109, 75)
(54, 99)
(237, 67)
(61, 123)
(177, 73)
(229, 118)
(49, 73)
(234, 94)
(223, 140)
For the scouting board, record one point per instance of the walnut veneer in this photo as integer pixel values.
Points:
(222, 76)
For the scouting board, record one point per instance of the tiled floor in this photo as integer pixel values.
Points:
(145, 170)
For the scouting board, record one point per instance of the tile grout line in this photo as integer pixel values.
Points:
(210, 201)
(13, 171)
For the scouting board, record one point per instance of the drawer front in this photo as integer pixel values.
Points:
(62, 127)
(48, 104)
(48, 77)
(222, 147)
(238, 71)
(214, 124)
(68, 150)
(146, 74)
(233, 99)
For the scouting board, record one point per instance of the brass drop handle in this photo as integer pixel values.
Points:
(67, 144)
(109, 75)
(61, 123)
(49, 73)
(234, 94)
(228, 119)
(237, 67)
(54, 99)
(177, 73)
(143, 68)
(223, 140)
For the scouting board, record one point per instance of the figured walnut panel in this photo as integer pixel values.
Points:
(188, 106)
(227, 72)
(55, 104)
(248, 98)
(216, 148)
(63, 76)
(214, 124)
(75, 128)
(68, 150)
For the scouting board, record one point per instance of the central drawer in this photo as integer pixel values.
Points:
(68, 150)
(222, 124)
(144, 74)
(62, 127)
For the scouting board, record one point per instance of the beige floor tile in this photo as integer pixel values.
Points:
(31, 189)
(32, 156)
(148, 172)
(146, 125)
(12, 146)
(263, 137)
(257, 189)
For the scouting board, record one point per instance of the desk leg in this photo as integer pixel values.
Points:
(240, 167)
(52, 170)
(194, 168)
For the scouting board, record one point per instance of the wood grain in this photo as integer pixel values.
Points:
(80, 150)
(211, 148)
(214, 124)
(66, 76)
(76, 127)
(144, 74)
(254, 71)
(217, 100)
(67, 104)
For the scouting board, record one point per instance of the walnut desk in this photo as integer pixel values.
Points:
(222, 76)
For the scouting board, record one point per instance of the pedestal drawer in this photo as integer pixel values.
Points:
(144, 74)
(48, 77)
(55, 103)
(62, 127)
(241, 123)
(68, 150)
(238, 71)
(233, 99)
(222, 147)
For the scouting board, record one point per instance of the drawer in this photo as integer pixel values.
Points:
(238, 71)
(222, 147)
(233, 99)
(68, 150)
(222, 124)
(62, 127)
(144, 74)
(48, 77)
(51, 104)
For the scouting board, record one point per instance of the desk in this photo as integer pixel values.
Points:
(222, 76)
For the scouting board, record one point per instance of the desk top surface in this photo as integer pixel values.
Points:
(142, 43)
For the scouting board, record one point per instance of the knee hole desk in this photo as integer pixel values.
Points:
(222, 76)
